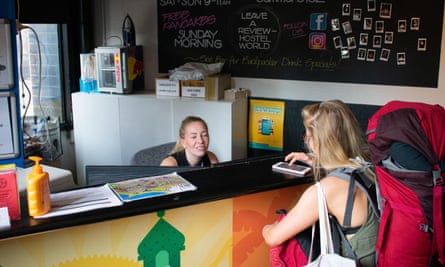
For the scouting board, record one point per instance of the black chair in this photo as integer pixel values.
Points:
(152, 156)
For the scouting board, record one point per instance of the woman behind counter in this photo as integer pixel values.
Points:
(191, 149)
(333, 136)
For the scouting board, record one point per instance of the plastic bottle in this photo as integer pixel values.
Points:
(37, 182)
(128, 32)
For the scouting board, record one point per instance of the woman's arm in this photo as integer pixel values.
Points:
(303, 215)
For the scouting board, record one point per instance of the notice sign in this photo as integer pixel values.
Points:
(266, 123)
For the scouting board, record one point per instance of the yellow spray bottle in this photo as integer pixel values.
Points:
(37, 182)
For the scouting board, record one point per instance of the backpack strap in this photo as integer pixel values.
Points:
(349, 203)
(438, 220)
(362, 182)
(344, 173)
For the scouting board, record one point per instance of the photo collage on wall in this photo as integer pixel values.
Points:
(374, 39)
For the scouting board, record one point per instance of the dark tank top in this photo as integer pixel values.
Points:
(182, 160)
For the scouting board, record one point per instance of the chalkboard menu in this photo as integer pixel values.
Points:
(391, 42)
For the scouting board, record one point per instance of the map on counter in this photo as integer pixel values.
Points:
(153, 186)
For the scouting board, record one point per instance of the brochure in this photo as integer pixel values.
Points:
(153, 186)
(115, 194)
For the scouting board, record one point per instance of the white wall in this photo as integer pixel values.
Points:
(144, 15)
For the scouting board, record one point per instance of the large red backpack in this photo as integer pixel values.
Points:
(407, 146)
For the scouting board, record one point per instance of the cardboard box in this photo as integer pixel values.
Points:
(166, 87)
(216, 84)
(193, 88)
(232, 94)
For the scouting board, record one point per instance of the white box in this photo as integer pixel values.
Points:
(193, 88)
(166, 87)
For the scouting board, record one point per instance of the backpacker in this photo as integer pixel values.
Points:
(296, 251)
(407, 147)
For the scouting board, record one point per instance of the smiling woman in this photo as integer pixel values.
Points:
(192, 146)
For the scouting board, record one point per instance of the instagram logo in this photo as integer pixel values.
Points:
(317, 40)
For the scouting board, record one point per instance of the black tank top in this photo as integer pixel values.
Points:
(182, 160)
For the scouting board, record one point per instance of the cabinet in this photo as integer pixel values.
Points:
(109, 129)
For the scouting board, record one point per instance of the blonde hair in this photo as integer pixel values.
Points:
(335, 134)
(185, 122)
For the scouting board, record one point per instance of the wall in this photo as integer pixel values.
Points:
(226, 232)
(144, 15)
(110, 15)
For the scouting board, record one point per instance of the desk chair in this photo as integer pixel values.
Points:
(152, 156)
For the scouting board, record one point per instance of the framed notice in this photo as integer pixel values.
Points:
(266, 124)
(9, 135)
(6, 68)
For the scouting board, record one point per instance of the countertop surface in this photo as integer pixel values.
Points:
(225, 180)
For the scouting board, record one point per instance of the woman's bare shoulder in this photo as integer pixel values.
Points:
(332, 184)
(169, 161)
(213, 158)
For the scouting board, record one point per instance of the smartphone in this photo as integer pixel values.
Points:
(296, 169)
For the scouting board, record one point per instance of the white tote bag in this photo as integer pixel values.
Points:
(327, 256)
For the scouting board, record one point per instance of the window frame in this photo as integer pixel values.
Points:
(74, 20)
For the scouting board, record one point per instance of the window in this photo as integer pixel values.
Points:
(39, 54)
(52, 35)
(40, 80)
(69, 25)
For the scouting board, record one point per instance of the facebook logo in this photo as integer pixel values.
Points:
(318, 21)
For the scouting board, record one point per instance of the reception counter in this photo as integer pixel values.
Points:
(219, 224)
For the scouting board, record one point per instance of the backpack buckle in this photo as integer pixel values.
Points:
(424, 227)
(437, 178)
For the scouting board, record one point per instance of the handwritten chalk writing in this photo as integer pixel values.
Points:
(291, 1)
(311, 64)
(311, 1)
(254, 38)
(257, 31)
(197, 34)
(296, 29)
(167, 2)
(259, 62)
(197, 39)
(207, 59)
(254, 46)
(254, 15)
(233, 60)
(294, 25)
(177, 15)
(194, 2)
(288, 62)
(183, 20)
(275, 1)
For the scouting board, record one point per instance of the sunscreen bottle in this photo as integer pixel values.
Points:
(37, 183)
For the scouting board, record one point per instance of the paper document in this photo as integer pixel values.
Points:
(81, 200)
